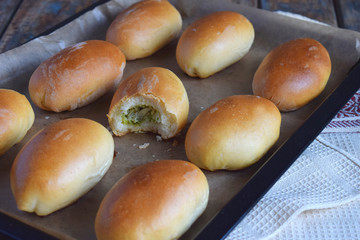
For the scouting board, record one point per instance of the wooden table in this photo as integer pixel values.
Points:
(22, 20)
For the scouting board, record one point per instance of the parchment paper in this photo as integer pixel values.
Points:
(76, 221)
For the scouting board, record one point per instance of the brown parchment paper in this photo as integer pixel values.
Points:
(76, 221)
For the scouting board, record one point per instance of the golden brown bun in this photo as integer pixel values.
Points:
(16, 118)
(233, 133)
(154, 87)
(144, 28)
(76, 76)
(293, 74)
(158, 200)
(213, 43)
(60, 164)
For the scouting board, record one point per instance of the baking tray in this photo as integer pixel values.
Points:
(232, 194)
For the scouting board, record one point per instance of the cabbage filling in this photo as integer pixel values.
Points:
(139, 114)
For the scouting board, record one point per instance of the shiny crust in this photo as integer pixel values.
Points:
(293, 74)
(233, 133)
(60, 164)
(213, 43)
(161, 86)
(158, 200)
(76, 76)
(16, 118)
(144, 28)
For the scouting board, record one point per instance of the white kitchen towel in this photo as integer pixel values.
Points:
(337, 223)
(324, 176)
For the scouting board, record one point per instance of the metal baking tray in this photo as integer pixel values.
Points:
(249, 185)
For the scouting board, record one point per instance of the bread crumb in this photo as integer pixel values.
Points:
(134, 145)
(158, 138)
(145, 145)
(153, 155)
(46, 117)
(168, 150)
(175, 143)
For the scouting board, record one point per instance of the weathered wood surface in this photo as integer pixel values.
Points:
(321, 10)
(22, 20)
(348, 12)
(34, 17)
(249, 3)
(7, 9)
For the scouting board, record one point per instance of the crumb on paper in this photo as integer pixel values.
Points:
(201, 107)
(175, 143)
(153, 155)
(158, 138)
(143, 146)
(46, 117)
(134, 145)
